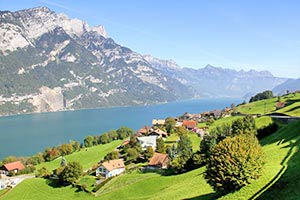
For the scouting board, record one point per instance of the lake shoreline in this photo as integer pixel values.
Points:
(24, 135)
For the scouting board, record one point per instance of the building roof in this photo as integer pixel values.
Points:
(189, 123)
(148, 140)
(113, 164)
(158, 122)
(143, 131)
(160, 132)
(158, 159)
(280, 104)
(14, 165)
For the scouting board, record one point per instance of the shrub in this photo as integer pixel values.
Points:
(234, 163)
(268, 130)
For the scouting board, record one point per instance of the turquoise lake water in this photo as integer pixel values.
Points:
(25, 135)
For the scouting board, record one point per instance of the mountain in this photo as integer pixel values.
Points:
(290, 85)
(49, 62)
(213, 81)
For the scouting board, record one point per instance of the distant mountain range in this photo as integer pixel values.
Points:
(290, 85)
(49, 62)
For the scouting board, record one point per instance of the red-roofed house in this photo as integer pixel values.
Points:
(111, 168)
(159, 160)
(189, 124)
(14, 166)
(280, 105)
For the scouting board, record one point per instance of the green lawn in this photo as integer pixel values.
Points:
(262, 121)
(86, 157)
(258, 107)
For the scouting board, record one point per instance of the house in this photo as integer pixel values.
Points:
(2, 184)
(280, 105)
(158, 122)
(159, 160)
(178, 124)
(147, 141)
(111, 168)
(189, 124)
(143, 131)
(216, 113)
(159, 133)
(13, 167)
(200, 132)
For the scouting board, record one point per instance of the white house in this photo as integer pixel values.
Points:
(147, 141)
(111, 168)
(2, 184)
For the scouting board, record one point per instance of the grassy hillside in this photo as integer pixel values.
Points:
(269, 106)
(86, 157)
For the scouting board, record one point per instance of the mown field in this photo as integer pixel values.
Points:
(269, 106)
(86, 157)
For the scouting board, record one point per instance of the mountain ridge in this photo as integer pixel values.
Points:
(50, 62)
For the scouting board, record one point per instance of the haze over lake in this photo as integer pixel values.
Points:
(25, 135)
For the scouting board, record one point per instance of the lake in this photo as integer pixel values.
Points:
(25, 135)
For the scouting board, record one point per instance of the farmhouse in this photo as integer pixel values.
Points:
(111, 168)
(159, 160)
(159, 133)
(147, 141)
(189, 124)
(158, 122)
(13, 167)
(143, 131)
(280, 105)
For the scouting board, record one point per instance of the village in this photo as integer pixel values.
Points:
(146, 137)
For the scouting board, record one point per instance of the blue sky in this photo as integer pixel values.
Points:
(261, 35)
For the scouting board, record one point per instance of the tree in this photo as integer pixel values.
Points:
(131, 155)
(42, 172)
(112, 155)
(51, 153)
(113, 135)
(268, 94)
(9, 159)
(170, 124)
(243, 126)
(181, 131)
(133, 143)
(184, 153)
(234, 163)
(71, 173)
(104, 138)
(65, 149)
(171, 151)
(75, 145)
(160, 145)
(148, 153)
(88, 141)
(124, 132)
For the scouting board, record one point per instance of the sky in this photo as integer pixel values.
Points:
(260, 35)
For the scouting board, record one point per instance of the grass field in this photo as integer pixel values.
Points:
(86, 157)
(258, 107)
(268, 106)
